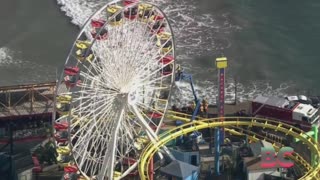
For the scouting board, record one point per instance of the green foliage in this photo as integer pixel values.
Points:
(46, 153)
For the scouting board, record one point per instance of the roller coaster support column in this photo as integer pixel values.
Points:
(221, 64)
(314, 134)
(151, 169)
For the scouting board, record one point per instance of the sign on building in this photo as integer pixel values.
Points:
(270, 159)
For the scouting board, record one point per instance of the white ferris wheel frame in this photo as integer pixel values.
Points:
(152, 135)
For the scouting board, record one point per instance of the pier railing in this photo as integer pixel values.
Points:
(24, 100)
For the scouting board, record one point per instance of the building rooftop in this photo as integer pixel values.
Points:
(272, 101)
(179, 169)
(254, 163)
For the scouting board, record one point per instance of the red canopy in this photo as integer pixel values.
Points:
(60, 126)
(71, 71)
(97, 23)
(128, 2)
(157, 17)
(70, 169)
(167, 59)
(154, 115)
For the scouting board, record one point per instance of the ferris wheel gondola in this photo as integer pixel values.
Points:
(115, 88)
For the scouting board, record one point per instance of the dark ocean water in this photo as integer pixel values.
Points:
(279, 41)
(34, 40)
(269, 43)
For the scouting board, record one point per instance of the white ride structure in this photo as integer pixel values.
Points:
(114, 90)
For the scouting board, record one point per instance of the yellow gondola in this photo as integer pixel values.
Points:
(81, 52)
(117, 174)
(63, 98)
(145, 12)
(63, 160)
(63, 150)
(63, 109)
(164, 40)
(118, 19)
(82, 44)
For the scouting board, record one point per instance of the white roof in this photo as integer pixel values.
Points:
(292, 98)
(302, 97)
(272, 101)
(305, 109)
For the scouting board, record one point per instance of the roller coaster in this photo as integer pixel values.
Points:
(312, 173)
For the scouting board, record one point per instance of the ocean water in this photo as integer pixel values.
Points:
(271, 45)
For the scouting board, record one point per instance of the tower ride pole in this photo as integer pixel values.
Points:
(221, 64)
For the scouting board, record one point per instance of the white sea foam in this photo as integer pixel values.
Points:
(6, 58)
(28, 71)
(195, 35)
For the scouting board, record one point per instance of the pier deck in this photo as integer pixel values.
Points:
(26, 100)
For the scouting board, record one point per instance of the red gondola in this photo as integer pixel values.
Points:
(72, 78)
(61, 126)
(97, 25)
(158, 25)
(167, 70)
(167, 59)
(71, 169)
(71, 81)
(155, 115)
(128, 2)
(132, 12)
(60, 138)
(71, 71)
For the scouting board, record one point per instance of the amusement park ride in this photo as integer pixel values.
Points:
(113, 96)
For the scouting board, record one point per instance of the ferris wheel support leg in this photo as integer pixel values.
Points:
(152, 135)
(109, 159)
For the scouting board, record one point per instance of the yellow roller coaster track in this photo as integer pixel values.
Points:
(312, 173)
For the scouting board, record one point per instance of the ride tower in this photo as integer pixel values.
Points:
(221, 64)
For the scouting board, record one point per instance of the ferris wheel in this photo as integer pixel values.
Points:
(114, 90)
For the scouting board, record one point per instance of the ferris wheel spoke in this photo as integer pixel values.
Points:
(154, 73)
(88, 96)
(109, 83)
(155, 55)
(83, 108)
(153, 137)
(145, 46)
(153, 80)
(149, 108)
(87, 117)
